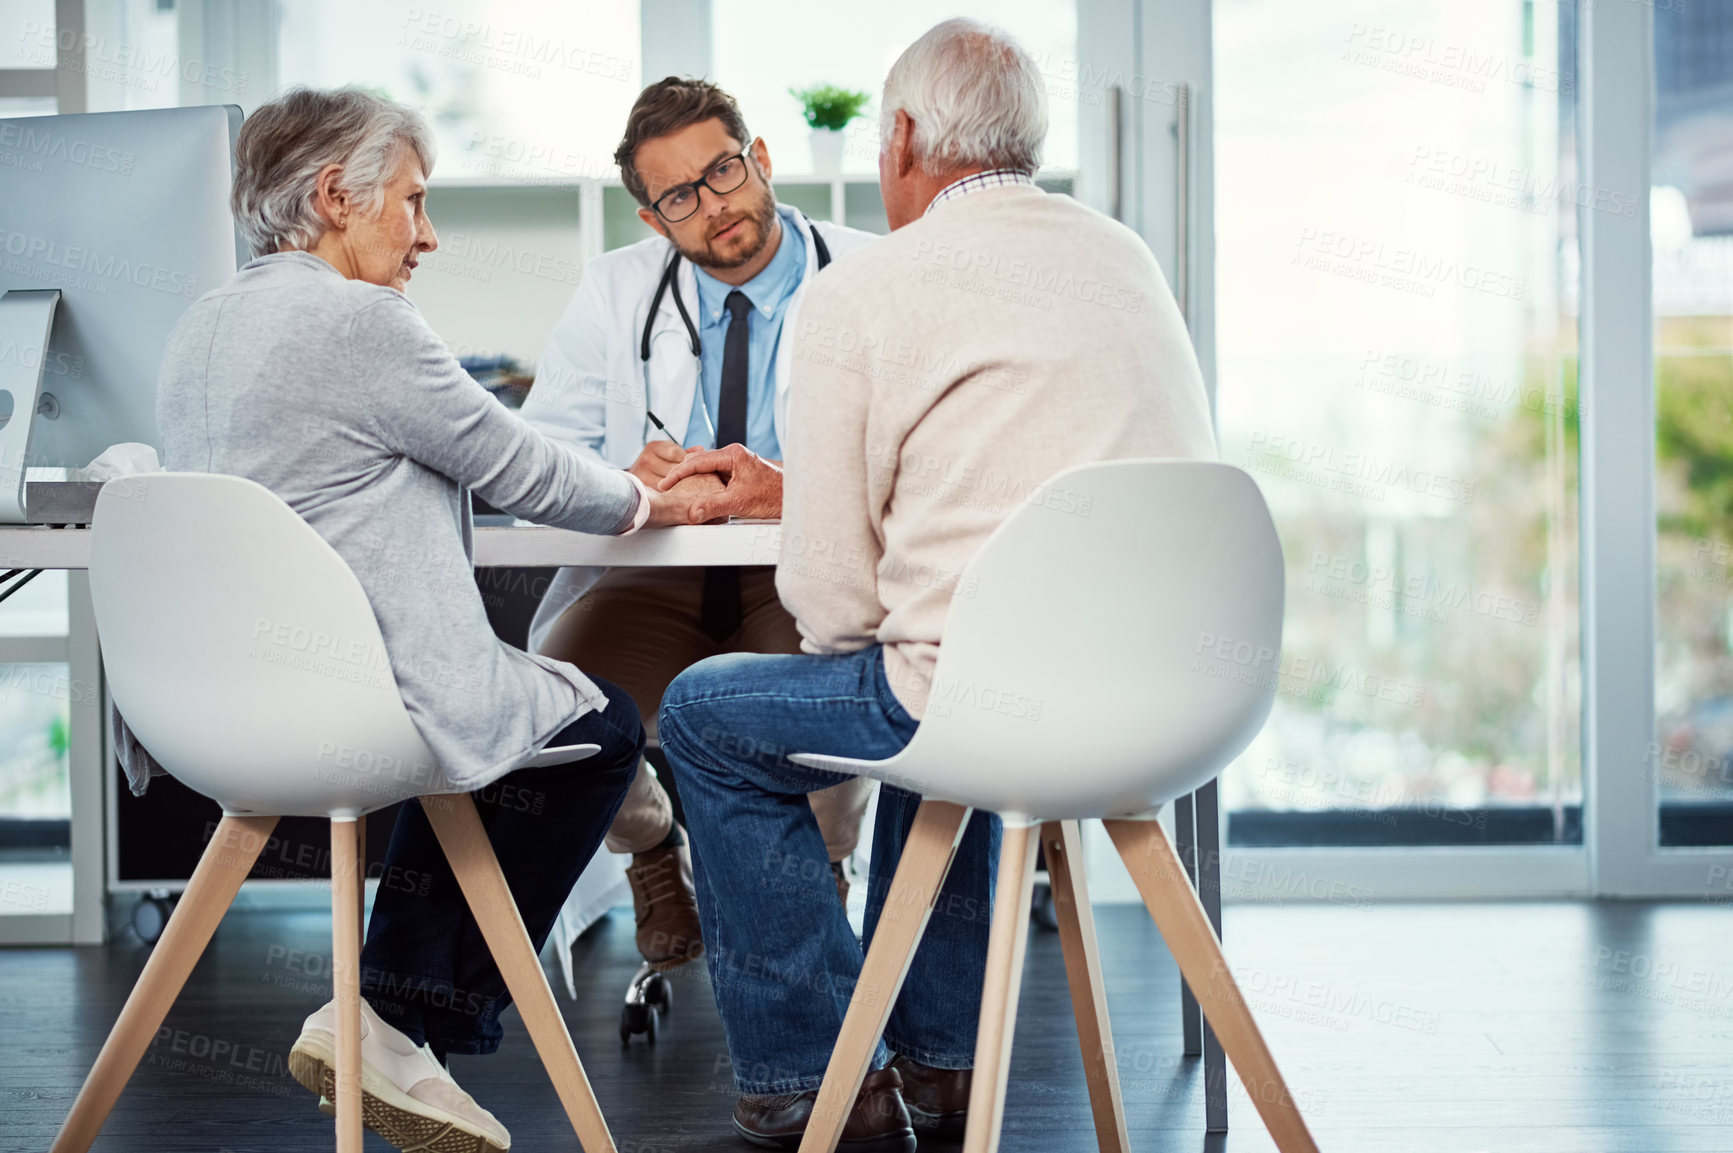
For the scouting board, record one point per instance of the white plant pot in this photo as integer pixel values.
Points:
(826, 152)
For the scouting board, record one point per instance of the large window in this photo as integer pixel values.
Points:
(1396, 264)
(1692, 209)
(516, 89)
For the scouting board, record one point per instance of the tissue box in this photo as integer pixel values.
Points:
(60, 501)
(52, 496)
(68, 495)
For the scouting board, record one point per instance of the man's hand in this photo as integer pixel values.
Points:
(683, 502)
(654, 462)
(754, 485)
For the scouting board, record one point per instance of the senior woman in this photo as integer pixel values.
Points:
(311, 373)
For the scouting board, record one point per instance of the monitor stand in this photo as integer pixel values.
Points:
(26, 319)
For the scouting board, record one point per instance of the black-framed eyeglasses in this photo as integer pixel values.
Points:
(681, 201)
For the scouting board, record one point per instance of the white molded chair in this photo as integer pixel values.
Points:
(244, 654)
(1115, 646)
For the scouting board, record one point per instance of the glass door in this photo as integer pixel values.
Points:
(1690, 761)
(1396, 205)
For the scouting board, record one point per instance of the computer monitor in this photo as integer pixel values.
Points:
(126, 214)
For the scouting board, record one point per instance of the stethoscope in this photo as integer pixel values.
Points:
(670, 279)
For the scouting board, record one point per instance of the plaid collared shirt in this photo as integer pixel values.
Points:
(992, 178)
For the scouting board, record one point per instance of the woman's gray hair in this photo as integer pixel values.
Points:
(285, 144)
(976, 98)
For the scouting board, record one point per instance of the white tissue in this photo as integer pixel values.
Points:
(127, 459)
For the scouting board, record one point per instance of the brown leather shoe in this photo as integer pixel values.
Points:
(666, 908)
(878, 1123)
(937, 1099)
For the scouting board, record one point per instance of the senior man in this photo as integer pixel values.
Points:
(999, 335)
(688, 328)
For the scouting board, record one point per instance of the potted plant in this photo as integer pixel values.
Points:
(828, 109)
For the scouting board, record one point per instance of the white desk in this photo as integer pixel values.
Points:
(34, 546)
(39, 547)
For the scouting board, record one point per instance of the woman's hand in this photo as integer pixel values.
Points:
(684, 502)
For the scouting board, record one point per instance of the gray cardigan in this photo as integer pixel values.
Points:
(335, 395)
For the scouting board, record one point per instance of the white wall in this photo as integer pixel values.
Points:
(508, 263)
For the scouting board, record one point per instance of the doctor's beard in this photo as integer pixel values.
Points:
(761, 218)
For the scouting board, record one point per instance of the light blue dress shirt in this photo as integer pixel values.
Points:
(770, 291)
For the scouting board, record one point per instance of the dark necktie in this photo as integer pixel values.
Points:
(719, 614)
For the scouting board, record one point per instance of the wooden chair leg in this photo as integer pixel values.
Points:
(1063, 842)
(361, 874)
(926, 859)
(1010, 935)
(225, 864)
(460, 832)
(1161, 881)
(346, 982)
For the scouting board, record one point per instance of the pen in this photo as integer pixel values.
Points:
(659, 425)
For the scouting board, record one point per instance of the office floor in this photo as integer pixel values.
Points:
(1551, 1028)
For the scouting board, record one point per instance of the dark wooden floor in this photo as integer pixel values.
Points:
(1551, 1028)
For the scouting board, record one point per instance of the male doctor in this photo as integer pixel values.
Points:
(690, 329)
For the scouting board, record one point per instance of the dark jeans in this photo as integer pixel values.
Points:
(782, 958)
(425, 967)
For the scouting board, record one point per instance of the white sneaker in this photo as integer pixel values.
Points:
(407, 1096)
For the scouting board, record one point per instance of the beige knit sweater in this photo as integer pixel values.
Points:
(941, 375)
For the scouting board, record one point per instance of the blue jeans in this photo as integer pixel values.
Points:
(782, 957)
(425, 968)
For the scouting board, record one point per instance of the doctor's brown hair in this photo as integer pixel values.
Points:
(666, 107)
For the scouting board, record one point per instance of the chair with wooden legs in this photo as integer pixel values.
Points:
(1117, 648)
(243, 652)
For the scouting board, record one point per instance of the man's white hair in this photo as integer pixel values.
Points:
(975, 97)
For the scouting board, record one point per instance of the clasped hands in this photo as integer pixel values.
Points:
(698, 486)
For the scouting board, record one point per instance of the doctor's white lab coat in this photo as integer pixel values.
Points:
(592, 386)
